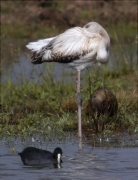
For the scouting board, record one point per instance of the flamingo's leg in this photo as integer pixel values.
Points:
(79, 99)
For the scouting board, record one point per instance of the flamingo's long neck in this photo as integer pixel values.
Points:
(79, 99)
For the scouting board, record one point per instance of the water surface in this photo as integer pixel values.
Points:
(106, 163)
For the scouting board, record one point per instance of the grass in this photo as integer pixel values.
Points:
(50, 107)
(30, 31)
(35, 31)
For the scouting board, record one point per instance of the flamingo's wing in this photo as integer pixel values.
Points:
(71, 45)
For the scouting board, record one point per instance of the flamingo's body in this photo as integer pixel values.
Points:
(78, 47)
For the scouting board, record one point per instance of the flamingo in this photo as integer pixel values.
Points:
(76, 47)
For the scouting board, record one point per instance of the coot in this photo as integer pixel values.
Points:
(34, 156)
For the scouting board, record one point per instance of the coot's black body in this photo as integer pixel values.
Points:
(35, 156)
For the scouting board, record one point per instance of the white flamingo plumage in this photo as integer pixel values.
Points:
(77, 47)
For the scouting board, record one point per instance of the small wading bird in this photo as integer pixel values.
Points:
(101, 102)
(77, 47)
(36, 157)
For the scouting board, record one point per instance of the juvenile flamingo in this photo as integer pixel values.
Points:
(77, 47)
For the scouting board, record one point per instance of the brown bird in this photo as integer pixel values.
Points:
(102, 101)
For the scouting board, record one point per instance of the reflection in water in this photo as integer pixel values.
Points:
(90, 163)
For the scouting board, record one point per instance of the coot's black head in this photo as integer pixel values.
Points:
(57, 154)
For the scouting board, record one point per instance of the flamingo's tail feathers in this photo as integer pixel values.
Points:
(40, 53)
(37, 57)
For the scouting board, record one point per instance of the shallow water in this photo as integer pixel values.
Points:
(86, 164)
